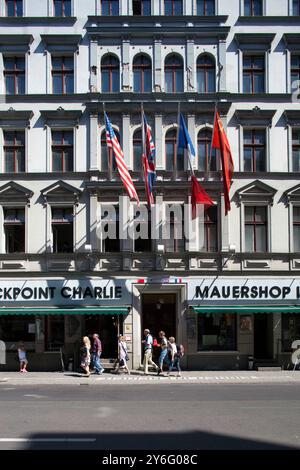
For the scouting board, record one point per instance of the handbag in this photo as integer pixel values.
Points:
(125, 351)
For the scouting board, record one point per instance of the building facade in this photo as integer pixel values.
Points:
(234, 293)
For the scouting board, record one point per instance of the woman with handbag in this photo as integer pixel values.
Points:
(122, 355)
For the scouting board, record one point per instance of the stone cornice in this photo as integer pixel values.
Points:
(38, 20)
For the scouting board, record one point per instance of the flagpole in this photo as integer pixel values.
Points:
(212, 136)
(177, 138)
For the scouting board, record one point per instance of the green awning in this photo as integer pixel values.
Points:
(64, 311)
(247, 309)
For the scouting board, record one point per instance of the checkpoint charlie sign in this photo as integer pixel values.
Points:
(65, 292)
(243, 290)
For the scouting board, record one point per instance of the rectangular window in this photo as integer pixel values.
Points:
(296, 149)
(205, 7)
(290, 330)
(14, 8)
(62, 75)
(110, 231)
(14, 230)
(175, 241)
(143, 228)
(254, 150)
(110, 7)
(295, 71)
(173, 7)
(296, 228)
(62, 229)
(14, 151)
(62, 151)
(62, 7)
(254, 74)
(253, 7)
(15, 328)
(14, 75)
(296, 7)
(141, 7)
(54, 332)
(210, 230)
(256, 229)
(217, 332)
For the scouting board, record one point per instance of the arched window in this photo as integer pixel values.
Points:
(173, 7)
(108, 161)
(142, 71)
(110, 74)
(206, 159)
(137, 150)
(206, 74)
(174, 156)
(173, 74)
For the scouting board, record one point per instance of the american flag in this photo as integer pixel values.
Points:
(148, 161)
(112, 142)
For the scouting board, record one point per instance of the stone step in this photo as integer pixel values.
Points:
(269, 368)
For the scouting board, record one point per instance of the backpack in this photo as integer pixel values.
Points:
(155, 343)
(180, 350)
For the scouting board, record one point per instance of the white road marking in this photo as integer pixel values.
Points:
(52, 439)
(35, 396)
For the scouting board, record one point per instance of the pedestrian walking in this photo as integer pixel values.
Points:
(96, 354)
(163, 357)
(22, 357)
(148, 345)
(176, 353)
(122, 355)
(86, 355)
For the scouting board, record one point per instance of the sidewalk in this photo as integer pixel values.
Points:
(137, 377)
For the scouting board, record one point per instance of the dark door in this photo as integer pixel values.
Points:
(263, 336)
(159, 313)
(107, 328)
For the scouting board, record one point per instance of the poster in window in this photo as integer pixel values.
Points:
(245, 323)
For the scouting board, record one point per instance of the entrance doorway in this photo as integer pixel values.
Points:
(108, 327)
(263, 336)
(159, 313)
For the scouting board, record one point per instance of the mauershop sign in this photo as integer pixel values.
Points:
(243, 290)
(65, 292)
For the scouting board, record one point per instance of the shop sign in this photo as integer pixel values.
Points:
(242, 290)
(65, 292)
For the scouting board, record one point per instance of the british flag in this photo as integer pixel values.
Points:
(113, 143)
(149, 161)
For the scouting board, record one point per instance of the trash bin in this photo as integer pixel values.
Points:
(70, 364)
(250, 362)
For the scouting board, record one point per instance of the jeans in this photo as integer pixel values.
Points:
(97, 363)
(175, 364)
(163, 357)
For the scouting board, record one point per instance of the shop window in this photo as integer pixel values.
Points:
(174, 230)
(174, 155)
(256, 229)
(143, 227)
(141, 7)
(210, 230)
(295, 71)
(142, 71)
(108, 161)
(207, 160)
(290, 330)
(206, 74)
(110, 231)
(62, 7)
(62, 75)
(254, 74)
(14, 151)
(296, 7)
(14, 8)
(62, 229)
(14, 75)
(110, 7)
(54, 332)
(253, 7)
(217, 332)
(62, 151)
(173, 7)
(15, 328)
(14, 230)
(296, 228)
(110, 74)
(174, 74)
(254, 150)
(205, 7)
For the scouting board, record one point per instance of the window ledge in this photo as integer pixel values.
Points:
(29, 20)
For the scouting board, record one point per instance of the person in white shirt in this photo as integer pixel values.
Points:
(148, 345)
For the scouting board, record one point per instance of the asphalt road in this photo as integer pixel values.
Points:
(150, 417)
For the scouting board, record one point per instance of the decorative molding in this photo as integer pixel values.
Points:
(14, 193)
(257, 191)
(62, 193)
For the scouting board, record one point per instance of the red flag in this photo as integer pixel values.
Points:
(220, 141)
(199, 196)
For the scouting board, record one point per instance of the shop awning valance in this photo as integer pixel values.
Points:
(247, 309)
(64, 311)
